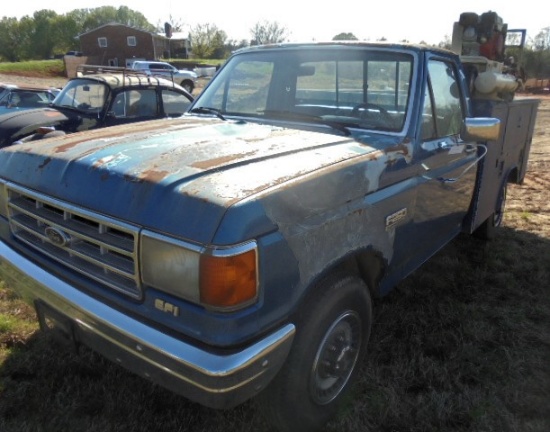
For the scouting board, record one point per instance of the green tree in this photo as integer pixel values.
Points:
(43, 38)
(26, 33)
(268, 32)
(123, 15)
(46, 33)
(10, 39)
(207, 40)
(66, 29)
(345, 37)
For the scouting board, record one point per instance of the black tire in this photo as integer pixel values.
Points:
(332, 333)
(188, 85)
(488, 229)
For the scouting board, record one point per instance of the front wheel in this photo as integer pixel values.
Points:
(330, 344)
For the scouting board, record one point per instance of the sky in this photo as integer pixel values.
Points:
(415, 21)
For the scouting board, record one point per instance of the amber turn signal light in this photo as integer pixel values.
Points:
(228, 282)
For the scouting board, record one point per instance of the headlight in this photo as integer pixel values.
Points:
(221, 279)
(170, 266)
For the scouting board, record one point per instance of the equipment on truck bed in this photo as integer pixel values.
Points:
(482, 42)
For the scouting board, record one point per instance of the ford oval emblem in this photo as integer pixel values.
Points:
(57, 236)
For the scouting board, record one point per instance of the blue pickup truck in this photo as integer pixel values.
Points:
(233, 252)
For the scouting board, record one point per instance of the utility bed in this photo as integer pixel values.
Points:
(506, 159)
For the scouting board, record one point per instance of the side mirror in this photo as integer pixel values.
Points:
(480, 129)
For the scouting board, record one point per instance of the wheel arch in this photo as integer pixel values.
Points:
(367, 264)
(513, 175)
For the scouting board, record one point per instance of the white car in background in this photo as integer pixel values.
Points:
(185, 78)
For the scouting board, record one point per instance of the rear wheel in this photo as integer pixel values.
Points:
(488, 229)
(330, 344)
(188, 85)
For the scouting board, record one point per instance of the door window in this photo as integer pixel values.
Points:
(442, 114)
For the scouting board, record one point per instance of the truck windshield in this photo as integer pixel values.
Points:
(354, 87)
(82, 95)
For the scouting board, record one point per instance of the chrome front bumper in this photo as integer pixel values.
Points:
(214, 380)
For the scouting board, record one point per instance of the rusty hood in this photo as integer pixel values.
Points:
(175, 176)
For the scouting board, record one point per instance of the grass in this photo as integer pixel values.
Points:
(56, 68)
(36, 68)
(463, 344)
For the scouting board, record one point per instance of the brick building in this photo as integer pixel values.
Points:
(116, 44)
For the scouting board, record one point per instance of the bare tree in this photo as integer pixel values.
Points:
(446, 43)
(267, 32)
(176, 24)
(542, 40)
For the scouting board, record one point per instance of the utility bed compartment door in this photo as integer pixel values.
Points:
(510, 152)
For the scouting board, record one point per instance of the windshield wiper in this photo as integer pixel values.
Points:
(290, 115)
(208, 110)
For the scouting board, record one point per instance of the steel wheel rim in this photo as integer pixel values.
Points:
(336, 358)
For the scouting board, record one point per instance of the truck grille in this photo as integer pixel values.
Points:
(98, 247)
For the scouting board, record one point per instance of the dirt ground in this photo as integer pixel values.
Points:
(540, 150)
(528, 205)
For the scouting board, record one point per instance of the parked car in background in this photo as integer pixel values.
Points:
(186, 78)
(98, 97)
(17, 98)
(4, 89)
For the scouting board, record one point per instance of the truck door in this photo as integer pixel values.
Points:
(447, 163)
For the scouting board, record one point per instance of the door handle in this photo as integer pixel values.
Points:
(473, 164)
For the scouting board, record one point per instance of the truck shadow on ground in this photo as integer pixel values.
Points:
(461, 344)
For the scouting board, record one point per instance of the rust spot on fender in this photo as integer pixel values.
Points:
(375, 155)
(99, 163)
(400, 148)
(153, 175)
(212, 163)
(65, 147)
